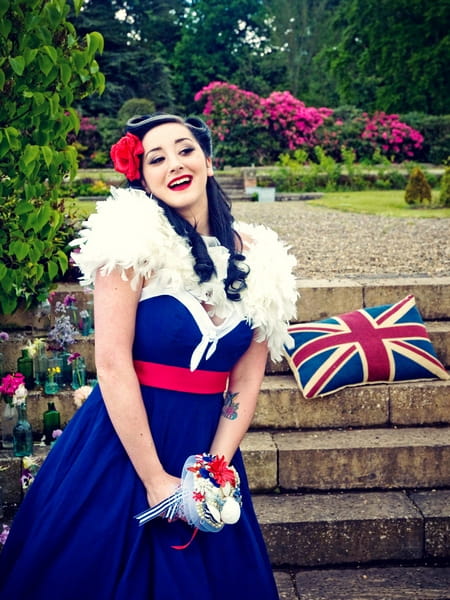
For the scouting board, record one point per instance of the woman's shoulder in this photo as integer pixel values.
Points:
(128, 230)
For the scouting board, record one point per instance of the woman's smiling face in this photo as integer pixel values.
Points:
(175, 170)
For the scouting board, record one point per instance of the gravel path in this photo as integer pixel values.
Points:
(330, 244)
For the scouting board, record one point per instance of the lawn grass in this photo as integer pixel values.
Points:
(389, 203)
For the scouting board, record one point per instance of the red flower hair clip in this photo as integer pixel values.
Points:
(126, 154)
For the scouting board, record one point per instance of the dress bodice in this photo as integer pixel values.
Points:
(175, 329)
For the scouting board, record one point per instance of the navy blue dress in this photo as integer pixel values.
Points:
(74, 536)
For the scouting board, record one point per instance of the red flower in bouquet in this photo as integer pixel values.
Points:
(125, 156)
(220, 471)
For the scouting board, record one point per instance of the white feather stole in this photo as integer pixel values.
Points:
(130, 231)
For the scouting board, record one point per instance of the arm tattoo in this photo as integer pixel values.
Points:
(230, 408)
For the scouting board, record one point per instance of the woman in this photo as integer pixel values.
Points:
(187, 305)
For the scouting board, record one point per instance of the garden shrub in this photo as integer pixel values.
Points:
(44, 69)
(418, 190)
(436, 132)
(88, 143)
(238, 124)
(395, 139)
(444, 195)
(133, 107)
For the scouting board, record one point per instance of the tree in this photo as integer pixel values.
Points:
(394, 55)
(44, 69)
(139, 38)
(418, 190)
(444, 195)
(217, 39)
(299, 30)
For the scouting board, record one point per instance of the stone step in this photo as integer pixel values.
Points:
(11, 468)
(281, 405)
(439, 332)
(321, 461)
(348, 459)
(373, 583)
(319, 298)
(316, 530)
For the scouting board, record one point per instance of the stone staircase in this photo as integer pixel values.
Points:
(352, 490)
(232, 185)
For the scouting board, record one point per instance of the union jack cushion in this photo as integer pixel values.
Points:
(372, 345)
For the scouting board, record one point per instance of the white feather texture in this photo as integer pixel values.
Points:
(272, 294)
(130, 231)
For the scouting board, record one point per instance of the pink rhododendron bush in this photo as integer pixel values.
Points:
(251, 129)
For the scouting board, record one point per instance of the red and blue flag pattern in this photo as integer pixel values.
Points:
(372, 345)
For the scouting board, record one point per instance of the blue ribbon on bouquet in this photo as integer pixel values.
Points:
(169, 508)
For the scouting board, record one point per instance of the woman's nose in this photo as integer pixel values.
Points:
(175, 163)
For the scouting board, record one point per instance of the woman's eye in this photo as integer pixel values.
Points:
(186, 151)
(155, 160)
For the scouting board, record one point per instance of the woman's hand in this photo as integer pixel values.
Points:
(161, 488)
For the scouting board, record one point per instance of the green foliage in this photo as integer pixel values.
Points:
(444, 196)
(133, 107)
(87, 186)
(436, 132)
(298, 173)
(392, 56)
(44, 69)
(298, 32)
(385, 203)
(217, 39)
(138, 50)
(418, 190)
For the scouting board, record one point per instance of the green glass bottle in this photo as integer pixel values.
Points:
(78, 373)
(52, 421)
(22, 433)
(25, 366)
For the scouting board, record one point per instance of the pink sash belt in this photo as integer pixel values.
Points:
(180, 379)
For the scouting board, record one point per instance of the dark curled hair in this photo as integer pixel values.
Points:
(220, 222)
(219, 206)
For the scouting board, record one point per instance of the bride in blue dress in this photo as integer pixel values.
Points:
(188, 304)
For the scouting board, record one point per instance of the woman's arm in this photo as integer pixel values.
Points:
(115, 305)
(240, 400)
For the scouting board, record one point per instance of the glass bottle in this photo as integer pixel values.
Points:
(40, 363)
(22, 433)
(52, 421)
(25, 366)
(9, 415)
(78, 373)
(66, 367)
(55, 365)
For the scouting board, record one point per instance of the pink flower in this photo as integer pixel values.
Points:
(10, 383)
(69, 300)
(72, 357)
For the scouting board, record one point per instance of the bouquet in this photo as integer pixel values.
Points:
(208, 498)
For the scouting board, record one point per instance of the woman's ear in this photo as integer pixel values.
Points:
(209, 167)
